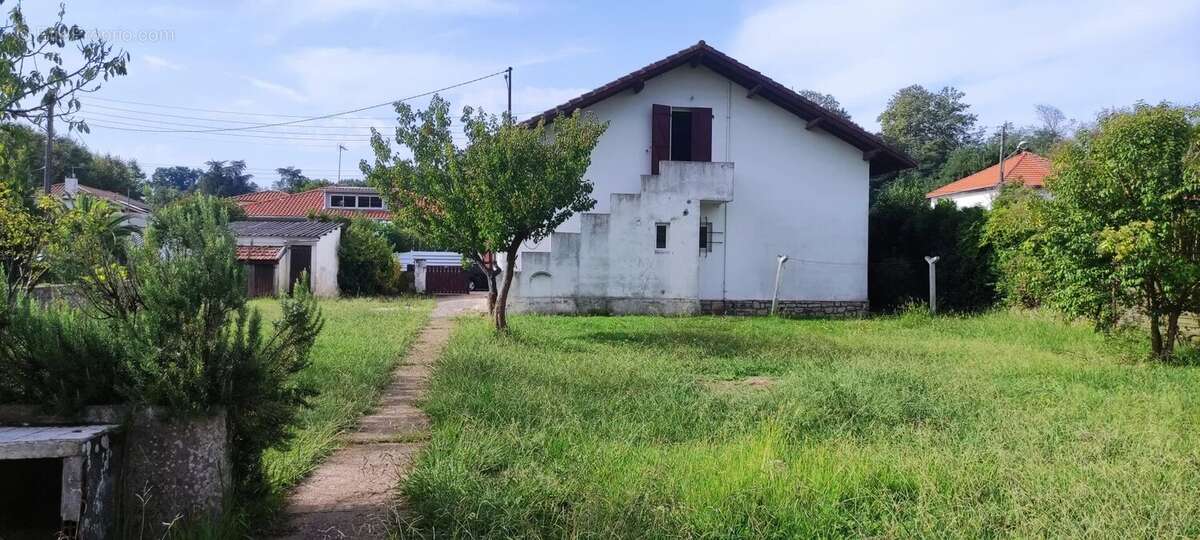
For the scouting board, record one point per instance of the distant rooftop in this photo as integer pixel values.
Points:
(1025, 167)
(283, 229)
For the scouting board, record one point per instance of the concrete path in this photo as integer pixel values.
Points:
(351, 494)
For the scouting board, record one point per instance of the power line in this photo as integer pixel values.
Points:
(248, 136)
(324, 116)
(216, 111)
(203, 119)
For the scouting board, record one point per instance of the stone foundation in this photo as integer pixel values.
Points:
(787, 308)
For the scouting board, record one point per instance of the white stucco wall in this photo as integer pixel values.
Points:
(797, 192)
(981, 198)
(325, 264)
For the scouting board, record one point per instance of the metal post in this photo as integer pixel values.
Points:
(1003, 132)
(778, 272)
(932, 283)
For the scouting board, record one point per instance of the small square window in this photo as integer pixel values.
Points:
(335, 201)
(660, 235)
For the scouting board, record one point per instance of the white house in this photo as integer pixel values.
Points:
(136, 212)
(276, 253)
(981, 188)
(708, 172)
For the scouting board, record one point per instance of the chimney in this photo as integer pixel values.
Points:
(71, 185)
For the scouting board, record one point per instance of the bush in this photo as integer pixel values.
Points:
(1017, 216)
(171, 329)
(365, 262)
(903, 229)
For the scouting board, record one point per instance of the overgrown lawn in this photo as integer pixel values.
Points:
(352, 359)
(1004, 424)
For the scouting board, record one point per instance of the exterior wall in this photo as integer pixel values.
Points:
(325, 265)
(981, 198)
(800, 193)
(788, 308)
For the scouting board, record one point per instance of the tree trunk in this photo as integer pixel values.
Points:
(491, 274)
(1172, 334)
(500, 314)
(1156, 338)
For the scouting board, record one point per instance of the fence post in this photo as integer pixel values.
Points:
(932, 283)
(419, 275)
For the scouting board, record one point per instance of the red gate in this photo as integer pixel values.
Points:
(445, 280)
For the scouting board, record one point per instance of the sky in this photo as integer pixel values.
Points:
(196, 65)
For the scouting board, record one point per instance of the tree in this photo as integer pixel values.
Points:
(827, 101)
(182, 179)
(291, 180)
(1054, 124)
(34, 74)
(224, 180)
(25, 234)
(928, 126)
(365, 262)
(114, 174)
(510, 184)
(1123, 229)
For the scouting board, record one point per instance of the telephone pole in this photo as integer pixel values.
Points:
(340, 150)
(47, 174)
(1003, 132)
(508, 82)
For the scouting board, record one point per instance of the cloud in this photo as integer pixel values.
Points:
(276, 88)
(1080, 56)
(159, 63)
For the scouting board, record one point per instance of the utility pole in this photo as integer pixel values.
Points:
(932, 283)
(508, 82)
(340, 150)
(1003, 132)
(47, 174)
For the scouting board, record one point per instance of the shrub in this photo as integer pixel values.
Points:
(1017, 216)
(903, 229)
(171, 329)
(365, 262)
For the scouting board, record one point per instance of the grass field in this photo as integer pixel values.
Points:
(362, 341)
(1003, 424)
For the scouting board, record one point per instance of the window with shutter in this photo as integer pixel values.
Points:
(660, 136)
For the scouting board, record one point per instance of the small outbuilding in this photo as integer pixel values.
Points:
(277, 253)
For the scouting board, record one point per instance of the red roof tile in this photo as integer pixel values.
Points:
(303, 204)
(259, 196)
(259, 253)
(1027, 167)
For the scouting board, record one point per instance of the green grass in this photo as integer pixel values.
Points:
(1003, 424)
(352, 359)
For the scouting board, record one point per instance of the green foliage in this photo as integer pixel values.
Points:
(510, 184)
(225, 180)
(366, 266)
(171, 329)
(34, 72)
(23, 154)
(927, 125)
(903, 229)
(291, 180)
(1018, 215)
(1123, 229)
(181, 179)
(25, 234)
(827, 101)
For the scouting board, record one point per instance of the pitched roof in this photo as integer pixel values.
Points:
(283, 229)
(259, 253)
(259, 196)
(123, 202)
(882, 156)
(300, 205)
(1026, 167)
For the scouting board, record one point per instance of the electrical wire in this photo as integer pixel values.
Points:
(324, 116)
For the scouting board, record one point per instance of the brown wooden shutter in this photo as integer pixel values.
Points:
(660, 136)
(701, 134)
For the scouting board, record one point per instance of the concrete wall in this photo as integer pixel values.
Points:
(981, 198)
(325, 265)
(798, 192)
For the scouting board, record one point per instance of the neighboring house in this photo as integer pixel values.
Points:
(708, 171)
(333, 200)
(136, 213)
(276, 252)
(981, 188)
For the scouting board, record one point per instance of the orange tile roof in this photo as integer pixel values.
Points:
(259, 196)
(1028, 167)
(302, 204)
(259, 253)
